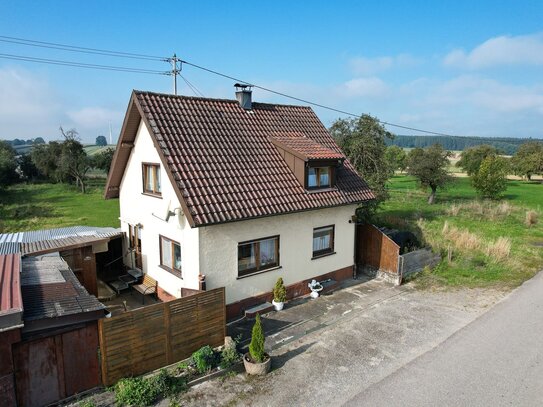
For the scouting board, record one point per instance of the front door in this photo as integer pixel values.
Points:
(135, 245)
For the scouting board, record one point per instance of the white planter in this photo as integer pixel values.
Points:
(314, 294)
(278, 305)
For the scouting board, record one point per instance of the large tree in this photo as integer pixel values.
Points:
(528, 160)
(46, 159)
(429, 166)
(490, 181)
(74, 161)
(396, 158)
(363, 140)
(102, 160)
(8, 165)
(472, 157)
(101, 141)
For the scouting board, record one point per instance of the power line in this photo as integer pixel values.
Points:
(73, 48)
(81, 64)
(191, 86)
(310, 102)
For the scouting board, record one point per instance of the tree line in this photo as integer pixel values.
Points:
(63, 161)
(507, 145)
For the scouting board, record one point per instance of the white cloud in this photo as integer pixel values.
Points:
(363, 87)
(91, 118)
(500, 51)
(369, 66)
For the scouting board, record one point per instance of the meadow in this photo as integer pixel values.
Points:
(483, 243)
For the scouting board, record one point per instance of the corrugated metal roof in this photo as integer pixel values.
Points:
(51, 290)
(55, 245)
(10, 248)
(11, 302)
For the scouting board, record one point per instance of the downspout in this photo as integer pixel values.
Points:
(355, 247)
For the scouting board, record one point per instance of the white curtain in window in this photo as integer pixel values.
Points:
(166, 253)
(246, 256)
(312, 178)
(324, 178)
(148, 178)
(268, 254)
(177, 256)
(157, 170)
(322, 239)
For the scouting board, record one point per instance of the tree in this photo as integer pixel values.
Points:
(396, 158)
(473, 157)
(74, 161)
(429, 166)
(46, 159)
(528, 160)
(363, 140)
(39, 140)
(491, 179)
(256, 347)
(27, 169)
(8, 165)
(101, 141)
(103, 159)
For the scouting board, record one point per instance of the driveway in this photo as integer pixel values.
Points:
(495, 361)
(360, 335)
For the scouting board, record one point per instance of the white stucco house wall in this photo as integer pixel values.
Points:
(233, 193)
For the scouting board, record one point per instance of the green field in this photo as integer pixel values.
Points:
(43, 206)
(94, 149)
(472, 232)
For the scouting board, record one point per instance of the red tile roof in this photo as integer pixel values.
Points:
(222, 160)
(306, 148)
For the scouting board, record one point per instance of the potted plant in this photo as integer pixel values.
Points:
(279, 295)
(256, 361)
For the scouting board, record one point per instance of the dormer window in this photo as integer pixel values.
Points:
(318, 177)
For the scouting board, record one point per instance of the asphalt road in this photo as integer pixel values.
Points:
(497, 360)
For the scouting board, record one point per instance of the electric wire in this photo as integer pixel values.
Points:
(81, 64)
(191, 86)
(73, 48)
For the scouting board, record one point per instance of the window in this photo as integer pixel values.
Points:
(323, 241)
(258, 255)
(170, 256)
(151, 179)
(318, 177)
(134, 236)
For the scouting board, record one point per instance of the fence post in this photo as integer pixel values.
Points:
(168, 333)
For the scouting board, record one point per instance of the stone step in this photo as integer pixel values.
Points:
(329, 286)
(258, 309)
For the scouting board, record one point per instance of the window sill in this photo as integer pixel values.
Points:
(322, 255)
(159, 196)
(317, 190)
(175, 273)
(259, 272)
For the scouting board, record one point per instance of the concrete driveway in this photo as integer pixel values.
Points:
(355, 338)
(495, 361)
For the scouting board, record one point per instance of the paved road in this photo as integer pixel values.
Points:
(497, 360)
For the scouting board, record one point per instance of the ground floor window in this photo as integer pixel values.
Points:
(170, 256)
(258, 255)
(323, 240)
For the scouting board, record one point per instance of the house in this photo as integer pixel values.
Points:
(233, 193)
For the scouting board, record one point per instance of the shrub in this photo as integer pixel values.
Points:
(256, 347)
(490, 180)
(531, 218)
(168, 385)
(135, 391)
(279, 291)
(204, 359)
(229, 357)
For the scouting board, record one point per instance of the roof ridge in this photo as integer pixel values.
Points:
(148, 92)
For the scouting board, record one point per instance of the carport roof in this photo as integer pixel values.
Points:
(11, 302)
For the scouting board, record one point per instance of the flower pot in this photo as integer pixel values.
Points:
(278, 305)
(254, 368)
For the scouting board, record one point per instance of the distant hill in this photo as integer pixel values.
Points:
(508, 145)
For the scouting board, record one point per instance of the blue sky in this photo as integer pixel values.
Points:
(460, 67)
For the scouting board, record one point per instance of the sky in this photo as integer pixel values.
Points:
(466, 68)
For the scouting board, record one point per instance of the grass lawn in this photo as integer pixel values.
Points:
(489, 242)
(44, 206)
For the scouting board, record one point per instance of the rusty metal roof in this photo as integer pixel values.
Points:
(55, 245)
(221, 159)
(11, 303)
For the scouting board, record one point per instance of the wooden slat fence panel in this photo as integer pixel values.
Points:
(377, 250)
(148, 338)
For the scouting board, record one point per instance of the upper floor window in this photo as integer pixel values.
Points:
(318, 177)
(170, 256)
(258, 255)
(323, 241)
(151, 179)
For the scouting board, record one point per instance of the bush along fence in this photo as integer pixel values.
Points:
(149, 338)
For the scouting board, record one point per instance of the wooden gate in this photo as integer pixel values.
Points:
(55, 367)
(148, 338)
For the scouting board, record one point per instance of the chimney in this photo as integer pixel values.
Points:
(244, 95)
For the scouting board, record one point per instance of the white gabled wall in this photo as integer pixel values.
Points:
(135, 207)
(219, 250)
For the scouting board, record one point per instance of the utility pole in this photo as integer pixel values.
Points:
(175, 72)
(110, 140)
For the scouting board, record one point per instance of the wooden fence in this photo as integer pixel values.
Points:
(148, 338)
(375, 249)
